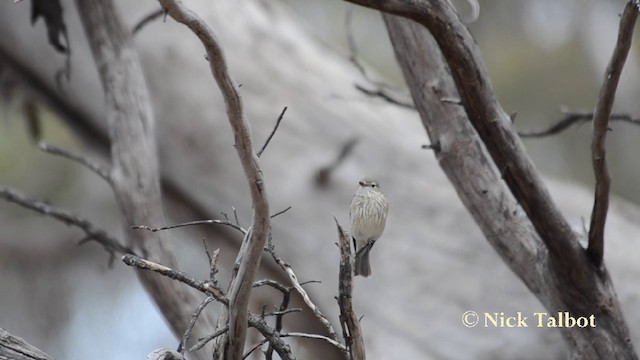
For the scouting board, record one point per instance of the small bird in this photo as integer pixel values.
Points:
(369, 209)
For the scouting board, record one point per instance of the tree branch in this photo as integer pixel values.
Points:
(251, 249)
(202, 286)
(574, 118)
(600, 128)
(348, 317)
(305, 297)
(110, 243)
(573, 285)
(491, 122)
(275, 128)
(79, 158)
(15, 348)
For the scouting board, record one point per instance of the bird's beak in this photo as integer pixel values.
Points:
(361, 183)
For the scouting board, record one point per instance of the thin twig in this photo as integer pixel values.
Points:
(254, 348)
(80, 159)
(316, 336)
(275, 128)
(192, 323)
(279, 313)
(149, 18)
(281, 212)
(575, 118)
(272, 283)
(380, 93)
(202, 286)
(600, 126)
(110, 243)
(191, 223)
(202, 342)
(305, 297)
(271, 335)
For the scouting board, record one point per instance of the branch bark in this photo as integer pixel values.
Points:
(502, 210)
(15, 348)
(601, 118)
(251, 250)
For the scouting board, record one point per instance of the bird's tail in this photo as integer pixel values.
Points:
(362, 266)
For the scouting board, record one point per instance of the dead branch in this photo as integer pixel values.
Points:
(191, 223)
(202, 342)
(192, 323)
(110, 243)
(251, 250)
(79, 158)
(348, 317)
(296, 284)
(490, 121)
(600, 128)
(202, 286)
(15, 348)
(572, 118)
(282, 348)
(575, 286)
(147, 19)
(275, 128)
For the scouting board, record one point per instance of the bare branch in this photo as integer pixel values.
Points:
(272, 283)
(251, 250)
(83, 160)
(380, 93)
(575, 118)
(109, 242)
(283, 350)
(191, 223)
(561, 284)
(281, 212)
(275, 128)
(348, 317)
(147, 19)
(15, 348)
(192, 323)
(183, 277)
(213, 262)
(279, 313)
(296, 284)
(600, 128)
(202, 342)
(254, 348)
(316, 336)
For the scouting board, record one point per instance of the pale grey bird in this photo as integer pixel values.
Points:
(369, 209)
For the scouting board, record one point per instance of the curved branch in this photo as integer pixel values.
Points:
(491, 122)
(251, 250)
(600, 128)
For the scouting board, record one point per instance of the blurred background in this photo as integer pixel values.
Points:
(543, 56)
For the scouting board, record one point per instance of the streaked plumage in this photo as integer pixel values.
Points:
(369, 209)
